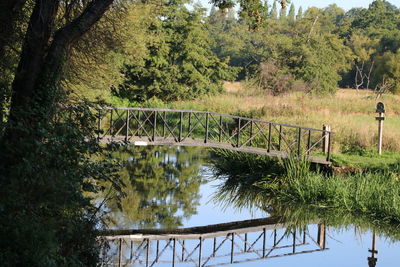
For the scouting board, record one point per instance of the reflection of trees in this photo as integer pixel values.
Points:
(162, 187)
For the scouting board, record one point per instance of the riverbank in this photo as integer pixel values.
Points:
(375, 194)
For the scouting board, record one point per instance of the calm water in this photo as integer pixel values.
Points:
(169, 188)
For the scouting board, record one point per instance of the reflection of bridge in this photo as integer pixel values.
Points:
(212, 245)
(199, 128)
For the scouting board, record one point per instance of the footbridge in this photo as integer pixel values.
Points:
(211, 245)
(151, 126)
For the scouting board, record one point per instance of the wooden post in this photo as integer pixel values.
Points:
(380, 132)
(326, 136)
(321, 236)
(380, 109)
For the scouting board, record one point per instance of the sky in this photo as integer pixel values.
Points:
(345, 4)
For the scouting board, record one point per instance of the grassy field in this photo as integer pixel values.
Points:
(350, 113)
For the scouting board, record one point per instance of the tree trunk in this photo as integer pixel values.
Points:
(34, 90)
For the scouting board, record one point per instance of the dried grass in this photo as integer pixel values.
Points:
(350, 113)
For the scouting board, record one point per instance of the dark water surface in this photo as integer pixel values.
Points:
(175, 188)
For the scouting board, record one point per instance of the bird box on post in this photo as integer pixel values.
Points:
(380, 109)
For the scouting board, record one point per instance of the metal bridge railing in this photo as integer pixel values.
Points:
(213, 129)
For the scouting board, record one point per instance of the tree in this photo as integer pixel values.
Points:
(388, 71)
(180, 64)
(274, 11)
(363, 48)
(283, 13)
(44, 164)
(299, 13)
(265, 11)
(291, 15)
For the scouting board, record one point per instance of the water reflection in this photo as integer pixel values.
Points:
(164, 189)
(239, 242)
(161, 187)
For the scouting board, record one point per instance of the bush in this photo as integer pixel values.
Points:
(272, 78)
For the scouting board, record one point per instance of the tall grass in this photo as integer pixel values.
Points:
(372, 193)
(375, 194)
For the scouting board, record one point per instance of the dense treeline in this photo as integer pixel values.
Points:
(316, 50)
(187, 53)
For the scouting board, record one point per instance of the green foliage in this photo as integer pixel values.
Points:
(375, 194)
(96, 60)
(292, 13)
(305, 50)
(46, 220)
(388, 70)
(180, 63)
(299, 13)
(161, 187)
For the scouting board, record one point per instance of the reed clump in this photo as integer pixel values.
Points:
(371, 193)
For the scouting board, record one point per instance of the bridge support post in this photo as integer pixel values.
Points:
(326, 136)
(180, 126)
(154, 126)
(120, 253)
(232, 246)
(127, 126)
(269, 136)
(206, 133)
(299, 143)
(238, 133)
(200, 250)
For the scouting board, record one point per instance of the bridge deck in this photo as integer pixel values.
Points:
(141, 141)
